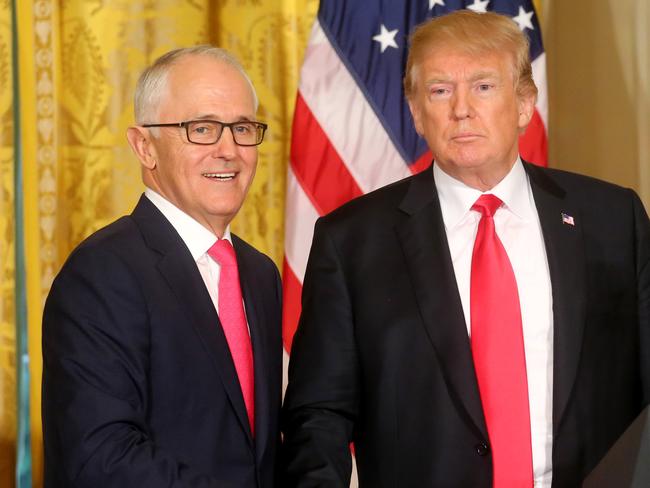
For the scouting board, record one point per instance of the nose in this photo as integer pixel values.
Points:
(461, 105)
(225, 147)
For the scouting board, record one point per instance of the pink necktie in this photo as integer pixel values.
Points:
(498, 351)
(233, 321)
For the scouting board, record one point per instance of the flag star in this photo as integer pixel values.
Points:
(479, 6)
(524, 19)
(433, 3)
(386, 38)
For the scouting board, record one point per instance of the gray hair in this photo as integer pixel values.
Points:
(153, 80)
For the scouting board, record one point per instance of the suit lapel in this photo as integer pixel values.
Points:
(564, 252)
(424, 242)
(255, 315)
(179, 270)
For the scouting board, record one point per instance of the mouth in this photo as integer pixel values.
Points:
(465, 137)
(220, 176)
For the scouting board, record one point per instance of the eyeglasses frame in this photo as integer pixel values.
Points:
(230, 125)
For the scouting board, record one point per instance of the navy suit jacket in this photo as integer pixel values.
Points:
(382, 357)
(139, 388)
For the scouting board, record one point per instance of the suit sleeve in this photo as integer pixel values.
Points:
(322, 399)
(643, 280)
(95, 382)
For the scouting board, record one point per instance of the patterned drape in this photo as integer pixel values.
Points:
(78, 61)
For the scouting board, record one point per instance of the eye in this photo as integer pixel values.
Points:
(439, 91)
(202, 128)
(243, 128)
(484, 87)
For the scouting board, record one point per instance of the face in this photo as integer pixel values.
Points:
(467, 109)
(207, 182)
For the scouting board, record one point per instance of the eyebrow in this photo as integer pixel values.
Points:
(481, 75)
(242, 118)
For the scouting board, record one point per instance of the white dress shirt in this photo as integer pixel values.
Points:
(518, 227)
(198, 240)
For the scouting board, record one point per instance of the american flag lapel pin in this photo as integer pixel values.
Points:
(568, 219)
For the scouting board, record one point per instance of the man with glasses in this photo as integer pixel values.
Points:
(161, 334)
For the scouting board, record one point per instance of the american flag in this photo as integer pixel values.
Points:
(352, 130)
(567, 219)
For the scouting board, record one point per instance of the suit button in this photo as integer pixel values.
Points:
(482, 449)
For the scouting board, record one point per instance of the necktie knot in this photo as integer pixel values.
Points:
(223, 253)
(487, 204)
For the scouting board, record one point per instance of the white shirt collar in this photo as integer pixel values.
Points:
(456, 198)
(196, 237)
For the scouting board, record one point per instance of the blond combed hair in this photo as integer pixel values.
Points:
(474, 34)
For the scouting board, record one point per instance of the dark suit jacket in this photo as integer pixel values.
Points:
(382, 356)
(139, 388)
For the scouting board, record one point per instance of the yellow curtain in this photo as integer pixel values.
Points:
(79, 60)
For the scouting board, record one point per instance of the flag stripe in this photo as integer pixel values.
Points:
(347, 118)
(309, 142)
(292, 306)
(421, 163)
(300, 219)
(532, 145)
(539, 76)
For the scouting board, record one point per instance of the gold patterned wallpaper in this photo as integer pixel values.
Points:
(79, 61)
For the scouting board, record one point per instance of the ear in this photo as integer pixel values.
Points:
(526, 105)
(416, 113)
(140, 141)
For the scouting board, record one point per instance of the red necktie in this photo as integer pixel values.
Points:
(498, 351)
(233, 321)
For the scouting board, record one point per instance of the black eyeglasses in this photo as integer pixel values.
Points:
(207, 132)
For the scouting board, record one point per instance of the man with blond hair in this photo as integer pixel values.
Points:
(483, 323)
(161, 334)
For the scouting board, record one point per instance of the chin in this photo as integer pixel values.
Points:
(224, 211)
(467, 162)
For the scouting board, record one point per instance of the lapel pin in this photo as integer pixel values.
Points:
(568, 219)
